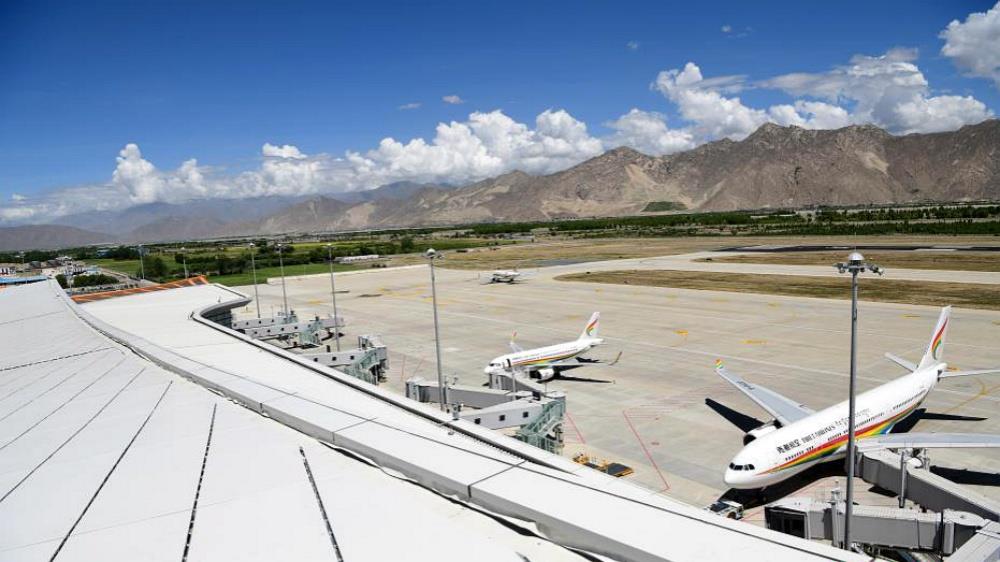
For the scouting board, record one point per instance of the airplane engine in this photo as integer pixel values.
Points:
(756, 432)
(546, 374)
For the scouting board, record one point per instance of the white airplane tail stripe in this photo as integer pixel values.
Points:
(935, 349)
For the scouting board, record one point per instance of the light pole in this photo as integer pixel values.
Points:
(184, 256)
(432, 255)
(333, 293)
(284, 293)
(142, 266)
(253, 267)
(855, 264)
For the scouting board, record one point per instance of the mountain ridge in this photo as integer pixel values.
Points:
(774, 167)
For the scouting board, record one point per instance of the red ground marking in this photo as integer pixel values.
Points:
(645, 450)
(576, 429)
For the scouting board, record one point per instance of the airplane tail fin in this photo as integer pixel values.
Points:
(513, 345)
(590, 330)
(935, 349)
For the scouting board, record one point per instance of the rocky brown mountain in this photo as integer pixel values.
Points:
(48, 236)
(775, 167)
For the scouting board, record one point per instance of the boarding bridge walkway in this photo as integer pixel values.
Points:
(923, 487)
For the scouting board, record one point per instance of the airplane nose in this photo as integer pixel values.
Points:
(731, 478)
(738, 479)
(728, 478)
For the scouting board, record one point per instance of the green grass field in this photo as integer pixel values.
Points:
(128, 267)
(131, 267)
(263, 273)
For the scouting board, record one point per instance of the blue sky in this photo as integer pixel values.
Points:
(216, 81)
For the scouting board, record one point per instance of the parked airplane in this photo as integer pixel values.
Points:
(509, 276)
(799, 437)
(547, 362)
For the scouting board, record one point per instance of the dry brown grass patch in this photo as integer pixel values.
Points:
(966, 295)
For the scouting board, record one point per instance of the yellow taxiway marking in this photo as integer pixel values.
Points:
(755, 342)
(983, 391)
(911, 316)
(681, 332)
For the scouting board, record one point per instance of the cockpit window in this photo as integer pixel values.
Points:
(741, 467)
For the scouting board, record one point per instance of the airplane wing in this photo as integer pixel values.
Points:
(950, 374)
(901, 362)
(784, 409)
(929, 441)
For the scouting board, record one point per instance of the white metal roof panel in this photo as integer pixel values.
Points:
(109, 463)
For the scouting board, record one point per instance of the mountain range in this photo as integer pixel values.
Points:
(775, 167)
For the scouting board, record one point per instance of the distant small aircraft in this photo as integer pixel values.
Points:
(547, 362)
(509, 276)
(799, 437)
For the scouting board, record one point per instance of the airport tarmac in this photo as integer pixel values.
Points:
(652, 414)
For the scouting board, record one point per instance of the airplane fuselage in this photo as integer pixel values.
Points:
(822, 436)
(542, 357)
(504, 276)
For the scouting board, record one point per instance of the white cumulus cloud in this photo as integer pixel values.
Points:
(974, 45)
(701, 101)
(888, 90)
(647, 131)
(486, 144)
(283, 151)
(489, 143)
(810, 115)
(452, 99)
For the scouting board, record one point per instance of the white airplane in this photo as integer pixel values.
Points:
(547, 362)
(509, 276)
(799, 438)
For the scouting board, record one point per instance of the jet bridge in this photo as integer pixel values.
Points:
(963, 525)
(882, 468)
(307, 333)
(537, 414)
(368, 362)
(890, 527)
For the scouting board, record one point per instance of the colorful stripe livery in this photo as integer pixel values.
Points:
(718, 364)
(830, 447)
(589, 330)
(938, 337)
(543, 360)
